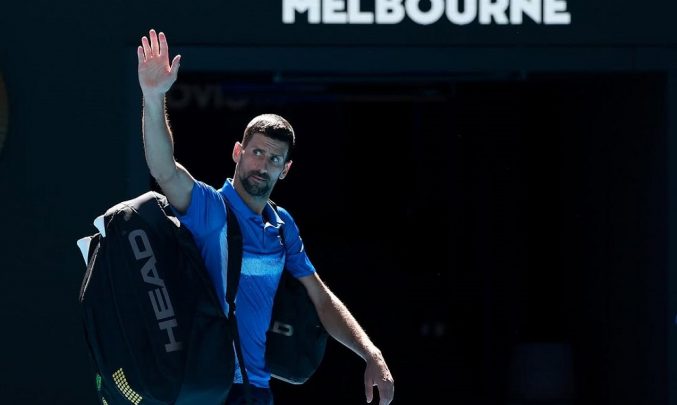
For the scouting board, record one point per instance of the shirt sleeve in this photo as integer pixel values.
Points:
(297, 261)
(206, 211)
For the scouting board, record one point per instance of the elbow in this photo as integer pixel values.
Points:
(163, 175)
(325, 305)
(162, 170)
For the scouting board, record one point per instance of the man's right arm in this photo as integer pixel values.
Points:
(156, 77)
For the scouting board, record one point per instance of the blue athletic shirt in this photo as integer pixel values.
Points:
(263, 259)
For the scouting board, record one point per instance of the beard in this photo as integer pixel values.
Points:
(254, 187)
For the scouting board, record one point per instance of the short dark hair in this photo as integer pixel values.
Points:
(273, 126)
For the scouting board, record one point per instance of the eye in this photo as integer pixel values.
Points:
(258, 152)
(276, 159)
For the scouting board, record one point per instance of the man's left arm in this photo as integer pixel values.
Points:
(342, 326)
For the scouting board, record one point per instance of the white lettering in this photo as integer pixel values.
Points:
(464, 17)
(204, 96)
(162, 305)
(493, 10)
(355, 16)
(389, 12)
(149, 273)
(554, 12)
(159, 298)
(423, 12)
(333, 12)
(169, 326)
(140, 245)
(291, 7)
(142, 250)
(518, 8)
(424, 18)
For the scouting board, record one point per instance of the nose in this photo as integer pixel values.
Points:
(262, 164)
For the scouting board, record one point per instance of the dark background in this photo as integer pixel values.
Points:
(494, 204)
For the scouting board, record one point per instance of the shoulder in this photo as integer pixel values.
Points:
(284, 214)
(204, 187)
(203, 193)
(206, 211)
(287, 218)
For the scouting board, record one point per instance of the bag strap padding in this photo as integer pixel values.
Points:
(235, 246)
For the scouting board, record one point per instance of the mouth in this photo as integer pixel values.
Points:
(258, 179)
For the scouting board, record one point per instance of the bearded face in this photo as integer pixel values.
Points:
(260, 164)
(256, 184)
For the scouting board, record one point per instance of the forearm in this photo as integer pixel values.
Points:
(343, 327)
(157, 139)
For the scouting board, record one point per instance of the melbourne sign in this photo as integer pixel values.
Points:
(426, 12)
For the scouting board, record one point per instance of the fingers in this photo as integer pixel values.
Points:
(386, 392)
(176, 63)
(164, 48)
(154, 45)
(139, 54)
(368, 389)
(156, 74)
(146, 48)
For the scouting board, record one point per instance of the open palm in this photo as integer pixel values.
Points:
(156, 75)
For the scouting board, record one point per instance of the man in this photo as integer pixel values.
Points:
(261, 159)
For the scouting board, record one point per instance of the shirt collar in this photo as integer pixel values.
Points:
(243, 210)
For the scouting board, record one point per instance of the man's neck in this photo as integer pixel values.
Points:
(256, 204)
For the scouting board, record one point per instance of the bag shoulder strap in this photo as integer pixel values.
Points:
(272, 204)
(234, 245)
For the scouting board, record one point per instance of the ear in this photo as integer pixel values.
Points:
(237, 152)
(285, 171)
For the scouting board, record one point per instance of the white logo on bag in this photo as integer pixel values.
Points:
(159, 298)
(282, 328)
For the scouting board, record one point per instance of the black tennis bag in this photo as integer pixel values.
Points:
(155, 329)
(296, 339)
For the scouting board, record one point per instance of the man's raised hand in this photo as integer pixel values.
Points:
(156, 75)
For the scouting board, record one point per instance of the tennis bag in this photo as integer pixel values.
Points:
(154, 327)
(296, 339)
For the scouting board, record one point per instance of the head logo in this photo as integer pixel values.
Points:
(4, 113)
(159, 297)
